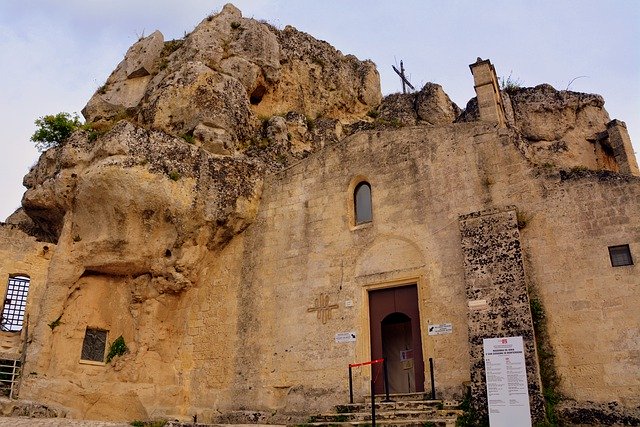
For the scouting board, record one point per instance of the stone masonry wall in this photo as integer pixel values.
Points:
(498, 299)
(22, 255)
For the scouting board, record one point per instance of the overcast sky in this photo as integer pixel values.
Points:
(56, 53)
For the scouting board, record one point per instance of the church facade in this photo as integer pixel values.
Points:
(408, 243)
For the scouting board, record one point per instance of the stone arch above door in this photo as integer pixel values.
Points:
(389, 253)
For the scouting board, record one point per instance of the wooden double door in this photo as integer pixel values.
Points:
(395, 335)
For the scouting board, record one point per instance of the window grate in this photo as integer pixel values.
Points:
(620, 255)
(94, 344)
(15, 303)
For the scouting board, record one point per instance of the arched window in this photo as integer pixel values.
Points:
(362, 203)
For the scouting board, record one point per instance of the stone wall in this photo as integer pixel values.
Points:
(22, 255)
(498, 298)
(305, 244)
(591, 306)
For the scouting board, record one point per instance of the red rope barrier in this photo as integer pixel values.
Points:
(365, 363)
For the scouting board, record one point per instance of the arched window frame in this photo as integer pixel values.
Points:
(365, 217)
(14, 307)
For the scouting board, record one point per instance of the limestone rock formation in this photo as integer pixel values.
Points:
(556, 122)
(137, 183)
(561, 129)
(205, 117)
(229, 72)
(431, 105)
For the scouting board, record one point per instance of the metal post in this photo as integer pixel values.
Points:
(350, 386)
(373, 404)
(433, 383)
(386, 380)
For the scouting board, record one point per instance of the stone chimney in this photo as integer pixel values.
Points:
(490, 104)
(622, 148)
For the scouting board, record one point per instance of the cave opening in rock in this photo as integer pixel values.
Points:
(257, 95)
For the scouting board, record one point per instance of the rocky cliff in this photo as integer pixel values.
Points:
(187, 128)
(220, 84)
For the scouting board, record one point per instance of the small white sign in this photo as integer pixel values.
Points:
(406, 355)
(441, 329)
(348, 303)
(345, 337)
(506, 375)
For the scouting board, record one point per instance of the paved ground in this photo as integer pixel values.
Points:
(54, 422)
(63, 422)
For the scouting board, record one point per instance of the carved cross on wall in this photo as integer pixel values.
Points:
(323, 308)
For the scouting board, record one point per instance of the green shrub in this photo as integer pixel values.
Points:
(51, 130)
(188, 138)
(55, 323)
(117, 348)
(510, 84)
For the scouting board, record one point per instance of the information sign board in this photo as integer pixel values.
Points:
(506, 376)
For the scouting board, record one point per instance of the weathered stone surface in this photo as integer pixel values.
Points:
(126, 86)
(228, 72)
(141, 57)
(434, 107)
(494, 274)
(176, 183)
(431, 105)
(591, 413)
(195, 94)
(561, 127)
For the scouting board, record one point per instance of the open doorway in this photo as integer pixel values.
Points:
(395, 335)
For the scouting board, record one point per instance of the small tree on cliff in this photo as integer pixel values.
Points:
(51, 130)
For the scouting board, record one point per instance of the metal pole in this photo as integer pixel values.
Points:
(350, 386)
(373, 404)
(386, 380)
(433, 384)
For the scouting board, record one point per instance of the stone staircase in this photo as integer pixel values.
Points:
(404, 410)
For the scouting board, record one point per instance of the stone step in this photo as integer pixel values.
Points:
(431, 422)
(422, 395)
(394, 405)
(396, 415)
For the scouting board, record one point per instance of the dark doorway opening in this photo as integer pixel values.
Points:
(395, 335)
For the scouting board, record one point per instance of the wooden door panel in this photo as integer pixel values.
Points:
(384, 302)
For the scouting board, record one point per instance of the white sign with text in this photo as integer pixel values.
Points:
(342, 337)
(506, 375)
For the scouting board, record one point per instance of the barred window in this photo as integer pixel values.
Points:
(15, 303)
(620, 255)
(94, 344)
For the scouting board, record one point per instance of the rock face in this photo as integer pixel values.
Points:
(560, 127)
(557, 128)
(85, 190)
(431, 105)
(230, 71)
